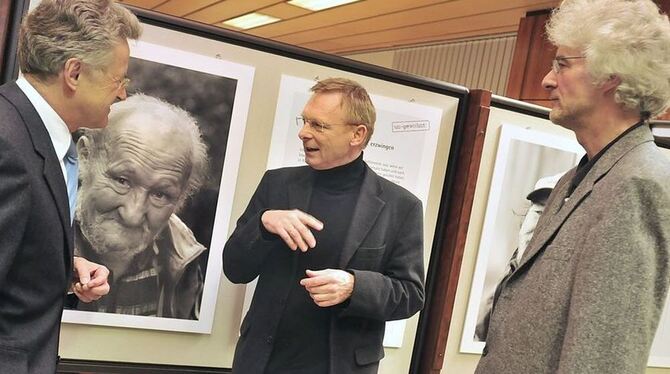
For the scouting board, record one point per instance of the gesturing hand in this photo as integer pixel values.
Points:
(293, 226)
(328, 287)
(91, 283)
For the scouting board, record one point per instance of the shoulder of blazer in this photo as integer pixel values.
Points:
(618, 152)
(31, 120)
(385, 187)
(289, 174)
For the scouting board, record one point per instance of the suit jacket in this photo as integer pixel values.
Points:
(588, 292)
(35, 239)
(383, 249)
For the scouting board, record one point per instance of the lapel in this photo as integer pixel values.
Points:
(368, 206)
(560, 210)
(300, 190)
(51, 169)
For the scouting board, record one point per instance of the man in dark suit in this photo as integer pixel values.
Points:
(587, 294)
(73, 55)
(337, 249)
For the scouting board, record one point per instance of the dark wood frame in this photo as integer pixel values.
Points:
(5, 16)
(11, 12)
(450, 235)
(450, 245)
(66, 366)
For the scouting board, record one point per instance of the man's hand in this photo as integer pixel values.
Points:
(90, 280)
(328, 287)
(293, 226)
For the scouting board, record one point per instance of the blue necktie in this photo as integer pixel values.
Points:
(72, 169)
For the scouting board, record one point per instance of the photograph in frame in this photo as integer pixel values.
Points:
(216, 93)
(524, 157)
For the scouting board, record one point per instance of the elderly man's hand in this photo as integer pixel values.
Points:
(328, 287)
(91, 280)
(293, 226)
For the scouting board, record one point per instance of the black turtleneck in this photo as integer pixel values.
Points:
(301, 344)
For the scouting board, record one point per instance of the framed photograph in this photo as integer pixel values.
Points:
(217, 95)
(524, 156)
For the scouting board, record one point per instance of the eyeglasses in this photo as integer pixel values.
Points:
(118, 83)
(558, 63)
(121, 83)
(315, 125)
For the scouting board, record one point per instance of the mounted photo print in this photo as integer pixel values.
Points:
(138, 213)
(524, 157)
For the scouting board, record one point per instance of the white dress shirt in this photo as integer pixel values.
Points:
(56, 127)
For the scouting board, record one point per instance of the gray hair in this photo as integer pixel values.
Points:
(628, 39)
(57, 30)
(165, 114)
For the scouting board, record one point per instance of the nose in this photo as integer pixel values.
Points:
(122, 94)
(133, 211)
(549, 80)
(304, 133)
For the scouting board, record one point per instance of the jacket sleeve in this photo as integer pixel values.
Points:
(14, 207)
(620, 283)
(248, 246)
(398, 291)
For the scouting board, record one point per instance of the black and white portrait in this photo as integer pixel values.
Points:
(150, 188)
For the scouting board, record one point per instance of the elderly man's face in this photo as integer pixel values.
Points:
(127, 198)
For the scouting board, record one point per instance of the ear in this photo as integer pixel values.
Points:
(72, 70)
(359, 135)
(611, 83)
(85, 145)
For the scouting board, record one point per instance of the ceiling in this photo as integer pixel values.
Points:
(363, 26)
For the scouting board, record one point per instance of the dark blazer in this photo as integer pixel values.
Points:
(383, 249)
(589, 290)
(35, 239)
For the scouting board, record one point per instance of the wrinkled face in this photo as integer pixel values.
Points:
(100, 89)
(327, 136)
(571, 89)
(127, 198)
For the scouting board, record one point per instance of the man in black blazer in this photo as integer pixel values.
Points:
(337, 249)
(73, 55)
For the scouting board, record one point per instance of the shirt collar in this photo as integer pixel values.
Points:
(56, 127)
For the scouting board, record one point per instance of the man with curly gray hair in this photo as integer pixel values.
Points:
(135, 175)
(73, 55)
(589, 290)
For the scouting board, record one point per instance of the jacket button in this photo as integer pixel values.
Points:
(269, 339)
